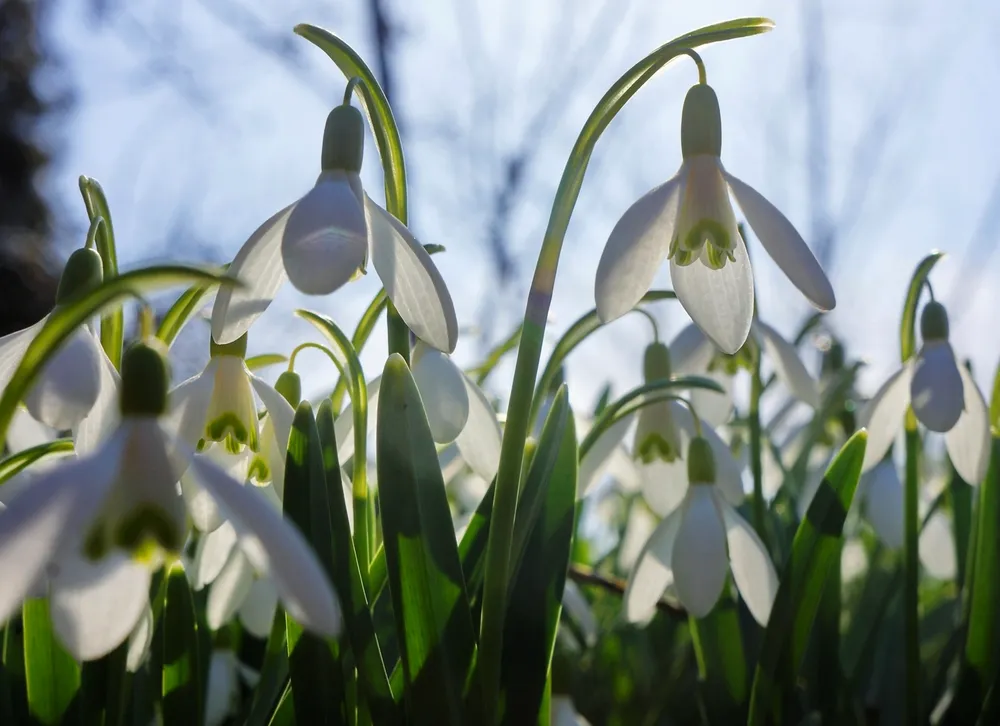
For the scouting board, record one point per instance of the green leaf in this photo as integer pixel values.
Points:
(63, 321)
(13, 691)
(182, 673)
(722, 662)
(51, 675)
(540, 565)
(817, 542)
(183, 309)
(376, 108)
(908, 321)
(16, 463)
(574, 335)
(105, 684)
(430, 604)
(284, 714)
(273, 674)
(314, 664)
(112, 322)
(350, 587)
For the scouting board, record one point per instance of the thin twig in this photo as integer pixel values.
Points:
(585, 576)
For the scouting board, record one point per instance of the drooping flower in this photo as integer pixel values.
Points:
(656, 435)
(456, 408)
(690, 221)
(944, 398)
(98, 525)
(324, 240)
(693, 548)
(69, 384)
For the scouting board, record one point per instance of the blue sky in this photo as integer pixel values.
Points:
(193, 162)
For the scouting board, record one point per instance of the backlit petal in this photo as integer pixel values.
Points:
(720, 302)
(96, 605)
(968, 442)
(884, 503)
(277, 548)
(596, 461)
(784, 358)
(188, 407)
(753, 571)
(652, 572)
(325, 240)
(479, 442)
(25, 431)
(728, 471)
(52, 512)
(411, 279)
(257, 612)
(279, 410)
(140, 639)
(784, 244)
(344, 425)
(936, 387)
(883, 415)
(442, 391)
(69, 384)
(12, 347)
(105, 414)
(259, 268)
(229, 589)
(637, 247)
(699, 560)
(211, 555)
(664, 485)
(937, 547)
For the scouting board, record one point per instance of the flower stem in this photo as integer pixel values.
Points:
(399, 334)
(911, 573)
(756, 446)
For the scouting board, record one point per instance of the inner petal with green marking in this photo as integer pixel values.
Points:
(232, 412)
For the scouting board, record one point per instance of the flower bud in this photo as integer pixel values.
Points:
(145, 379)
(701, 123)
(701, 462)
(343, 140)
(934, 322)
(656, 363)
(237, 349)
(83, 272)
(289, 385)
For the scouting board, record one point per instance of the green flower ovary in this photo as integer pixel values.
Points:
(654, 447)
(141, 532)
(229, 429)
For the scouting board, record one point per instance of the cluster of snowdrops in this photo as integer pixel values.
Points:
(122, 486)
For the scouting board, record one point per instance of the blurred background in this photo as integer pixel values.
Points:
(871, 125)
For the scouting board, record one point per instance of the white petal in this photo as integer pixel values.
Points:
(638, 529)
(784, 358)
(664, 485)
(883, 415)
(968, 442)
(325, 240)
(936, 387)
(211, 555)
(25, 432)
(652, 573)
(12, 347)
(140, 640)
(229, 589)
(149, 473)
(279, 410)
(258, 266)
(784, 244)
(598, 458)
(223, 687)
(720, 302)
(105, 414)
(728, 472)
(579, 610)
(200, 505)
(715, 409)
(257, 612)
(699, 561)
(96, 605)
(480, 440)
(691, 352)
(189, 403)
(638, 245)
(344, 424)
(411, 280)
(753, 571)
(884, 503)
(50, 513)
(937, 547)
(280, 550)
(69, 384)
(442, 390)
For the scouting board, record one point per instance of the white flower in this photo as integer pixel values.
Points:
(687, 552)
(564, 713)
(99, 524)
(881, 494)
(690, 221)
(456, 408)
(323, 240)
(70, 383)
(944, 398)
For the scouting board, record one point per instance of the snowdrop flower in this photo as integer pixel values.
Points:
(656, 434)
(324, 240)
(881, 498)
(456, 408)
(944, 398)
(687, 552)
(216, 412)
(100, 524)
(69, 384)
(689, 220)
(564, 713)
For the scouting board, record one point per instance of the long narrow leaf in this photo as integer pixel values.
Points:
(182, 673)
(51, 675)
